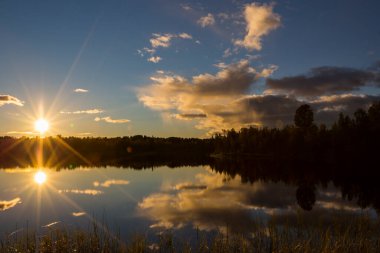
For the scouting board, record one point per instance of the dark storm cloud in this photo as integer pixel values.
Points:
(326, 80)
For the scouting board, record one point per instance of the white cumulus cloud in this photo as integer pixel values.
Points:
(260, 21)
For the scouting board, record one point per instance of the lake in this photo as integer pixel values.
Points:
(184, 200)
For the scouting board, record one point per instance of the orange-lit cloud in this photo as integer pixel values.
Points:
(89, 111)
(155, 59)
(214, 100)
(84, 192)
(207, 20)
(260, 21)
(8, 99)
(113, 121)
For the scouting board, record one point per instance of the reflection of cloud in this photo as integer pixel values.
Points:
(260, 20)
(8, 99)
(7, 204)
(51, 224)
(207, 20)
(110, 182)
(78, 214)
(110, 120)
(85, 192)
(80, 90)
(89, 111)
(189, 186)
(214, 201)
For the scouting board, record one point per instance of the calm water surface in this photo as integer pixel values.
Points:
(150, 201)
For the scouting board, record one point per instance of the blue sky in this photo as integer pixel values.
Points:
(215, 65)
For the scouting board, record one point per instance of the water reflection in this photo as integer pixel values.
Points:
(207, 198)
(218, 201)
(7, 204)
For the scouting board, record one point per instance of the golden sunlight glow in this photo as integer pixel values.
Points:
(41, 125)
(40, 177)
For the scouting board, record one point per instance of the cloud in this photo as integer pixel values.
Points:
(155, 59)
(21, 132)
(224, 100)
(186, 7)
(146, 50)
(80, 90)
(110, 120)
(324, 81)
(110, 182)
(189, 116)
(185, 36)
(161, 40)
(7, 204)
(8, 99)
(84, 192)
(227, 53)
(216, 96)
(89, 111)
(260, 21)
(164, 40)
(207, 20)
(223, 16)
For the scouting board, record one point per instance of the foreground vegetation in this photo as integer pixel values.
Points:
(349, 234)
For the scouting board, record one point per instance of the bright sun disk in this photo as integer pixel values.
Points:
(41, 125)
(40, 177)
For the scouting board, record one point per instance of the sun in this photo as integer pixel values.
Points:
(40, 177)
(41, 125)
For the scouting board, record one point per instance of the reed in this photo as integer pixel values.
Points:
(353, 234)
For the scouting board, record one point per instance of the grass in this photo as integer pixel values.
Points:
(353, 234)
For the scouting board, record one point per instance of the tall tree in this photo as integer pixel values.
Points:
(304, 117)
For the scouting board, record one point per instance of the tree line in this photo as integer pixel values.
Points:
(354, 136)
(350, 137)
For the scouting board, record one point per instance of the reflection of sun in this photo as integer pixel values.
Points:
(40, 177)
(41, 125)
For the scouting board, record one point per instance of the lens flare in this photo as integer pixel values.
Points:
(41, 125)
(40, 177)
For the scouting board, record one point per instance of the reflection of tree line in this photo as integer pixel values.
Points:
(70, 152)
(355, 181)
